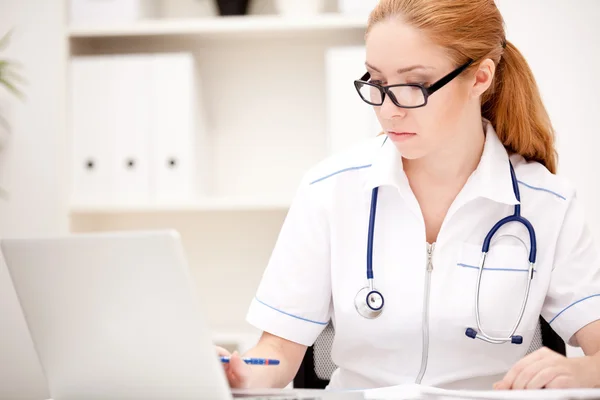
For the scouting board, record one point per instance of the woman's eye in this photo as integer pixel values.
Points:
(376, 82)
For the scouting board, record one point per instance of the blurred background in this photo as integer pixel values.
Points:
(202, 116)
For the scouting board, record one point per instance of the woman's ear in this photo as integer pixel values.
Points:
(484, 76)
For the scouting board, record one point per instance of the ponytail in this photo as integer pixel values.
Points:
(514, 107)
(513, 103)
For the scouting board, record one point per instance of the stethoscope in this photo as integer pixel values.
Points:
(369, 301)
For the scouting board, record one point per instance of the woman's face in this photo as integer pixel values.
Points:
(398, 53)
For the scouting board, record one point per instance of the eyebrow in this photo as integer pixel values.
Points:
(401, 70)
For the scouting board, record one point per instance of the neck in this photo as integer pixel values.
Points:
(457, 161)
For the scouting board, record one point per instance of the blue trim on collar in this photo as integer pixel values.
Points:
(341, 171)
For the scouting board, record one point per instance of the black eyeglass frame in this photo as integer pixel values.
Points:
(427, 90)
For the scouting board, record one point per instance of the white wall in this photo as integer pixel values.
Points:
(33, 165)
(32, 169)
(561, 41)
(559, 38)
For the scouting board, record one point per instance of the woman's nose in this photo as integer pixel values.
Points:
(389, 110)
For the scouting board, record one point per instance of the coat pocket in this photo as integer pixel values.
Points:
(502, 289)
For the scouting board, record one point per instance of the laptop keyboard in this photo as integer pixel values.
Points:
(285, 397)
(280, 398)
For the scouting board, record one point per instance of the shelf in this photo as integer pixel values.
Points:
(237, 26)
(209, 204)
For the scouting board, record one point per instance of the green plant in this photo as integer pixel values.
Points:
(9, 78)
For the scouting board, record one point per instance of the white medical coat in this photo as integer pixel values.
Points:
(319, 264)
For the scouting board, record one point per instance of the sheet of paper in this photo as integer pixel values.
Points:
(545, 394)
(410, 391)
(414, 392)
(300, 394)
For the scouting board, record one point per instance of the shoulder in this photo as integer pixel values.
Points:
(349, 165)
(539, 184)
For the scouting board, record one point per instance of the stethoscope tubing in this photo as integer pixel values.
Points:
(365, 309)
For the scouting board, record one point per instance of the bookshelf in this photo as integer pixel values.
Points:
(231, 27)
(264, 110)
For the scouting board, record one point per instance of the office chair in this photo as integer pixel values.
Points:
(317, 367)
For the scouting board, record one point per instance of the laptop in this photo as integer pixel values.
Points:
(22, 378)
(117, 316)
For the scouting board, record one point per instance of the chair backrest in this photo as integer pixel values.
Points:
(317, 367)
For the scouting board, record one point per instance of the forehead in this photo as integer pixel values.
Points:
(394, 44)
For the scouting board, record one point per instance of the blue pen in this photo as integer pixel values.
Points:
(254, 361)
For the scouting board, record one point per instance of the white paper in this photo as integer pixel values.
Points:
(299, 394)
(414, 391)
(410, 391)
(544, 394)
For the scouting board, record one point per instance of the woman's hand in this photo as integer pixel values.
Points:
(545, 368)
(237, 371)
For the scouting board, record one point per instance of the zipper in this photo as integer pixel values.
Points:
(425, 356)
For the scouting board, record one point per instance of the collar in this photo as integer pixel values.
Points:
(491, 179)
(386, 168)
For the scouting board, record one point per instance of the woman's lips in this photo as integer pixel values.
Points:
(400, 135)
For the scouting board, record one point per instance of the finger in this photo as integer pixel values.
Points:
(222, 352)
(544, 377)
(561, 382)
(239, 368)
(511, 375)
(234, 380)
(237, 364)
(529, 372)
(500, 385)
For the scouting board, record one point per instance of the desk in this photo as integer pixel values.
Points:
(301, 394)
(416, 392)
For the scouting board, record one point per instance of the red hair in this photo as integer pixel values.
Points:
(474, 29)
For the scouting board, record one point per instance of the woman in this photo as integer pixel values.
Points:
(467, 142)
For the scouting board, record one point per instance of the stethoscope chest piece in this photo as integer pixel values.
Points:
(369, 303)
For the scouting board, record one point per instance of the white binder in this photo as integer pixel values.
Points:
(133, 129)
(173, 136)
(131, 81)
(357, 7)
(111, 11)
(349, 119)
(92, 127)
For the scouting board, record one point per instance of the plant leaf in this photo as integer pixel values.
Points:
(8, 63)
(4, 123)
(5, 40)
(13, 63)
(12, 88)
(12, 75)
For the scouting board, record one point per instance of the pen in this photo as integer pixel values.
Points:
(254, 361)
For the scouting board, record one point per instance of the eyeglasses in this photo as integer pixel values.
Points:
(406, 95)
